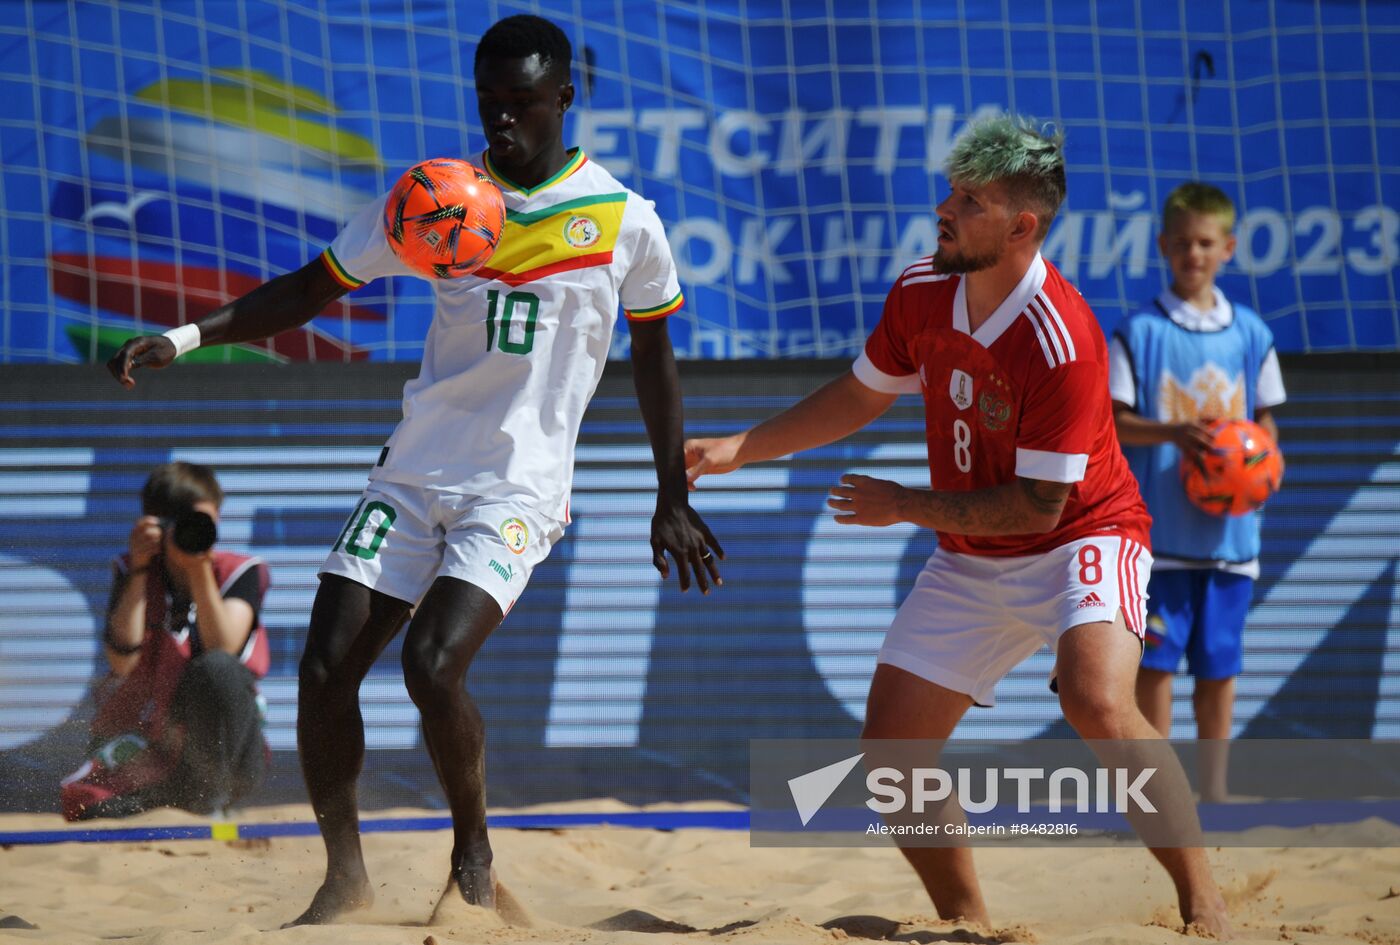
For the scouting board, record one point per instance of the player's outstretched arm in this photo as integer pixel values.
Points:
(1023, 507)
(676, 528)
(288, 301)
(837, 409)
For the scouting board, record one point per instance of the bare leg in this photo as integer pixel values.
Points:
(452, 623)
(1154, 698)
(904, 706)
(1097, 667)
(350, 626)
(1214, 702)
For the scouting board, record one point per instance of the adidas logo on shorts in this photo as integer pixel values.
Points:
(1090, 600)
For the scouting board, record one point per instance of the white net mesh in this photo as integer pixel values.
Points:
(161, 157)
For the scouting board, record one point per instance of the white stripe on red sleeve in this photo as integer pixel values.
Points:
(872, 377)
(1051, 467)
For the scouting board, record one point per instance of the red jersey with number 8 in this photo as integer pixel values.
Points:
(1025, 395)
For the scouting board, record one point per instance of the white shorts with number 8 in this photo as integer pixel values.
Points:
(971, 619)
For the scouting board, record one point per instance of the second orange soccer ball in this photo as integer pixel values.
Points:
(1242, 468)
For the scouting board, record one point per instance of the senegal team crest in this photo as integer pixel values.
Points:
(515, 535)
(994, 405)
(581, 231)
(960, 389)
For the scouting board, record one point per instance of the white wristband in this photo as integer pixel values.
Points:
(185, 338)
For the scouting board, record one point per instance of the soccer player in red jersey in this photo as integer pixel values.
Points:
(1043, 537)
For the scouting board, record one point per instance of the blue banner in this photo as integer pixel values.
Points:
(600, 652)
(159, 159)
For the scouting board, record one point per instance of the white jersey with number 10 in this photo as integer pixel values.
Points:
(516, 350)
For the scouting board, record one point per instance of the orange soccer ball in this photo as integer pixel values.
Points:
(1242, 468)
(444, 218)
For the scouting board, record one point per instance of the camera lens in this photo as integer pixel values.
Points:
(194, 532)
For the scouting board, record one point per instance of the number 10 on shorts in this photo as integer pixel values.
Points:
(366, 528)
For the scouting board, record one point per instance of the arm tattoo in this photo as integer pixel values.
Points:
(1000, 510)
(969, 513)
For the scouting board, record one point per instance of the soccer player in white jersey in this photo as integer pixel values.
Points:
(1042, 534)
(472, 489)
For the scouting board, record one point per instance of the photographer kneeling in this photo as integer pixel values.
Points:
(178, 720)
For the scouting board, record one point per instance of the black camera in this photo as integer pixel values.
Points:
(192, 532)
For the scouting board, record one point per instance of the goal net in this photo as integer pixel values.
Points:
(161, 157)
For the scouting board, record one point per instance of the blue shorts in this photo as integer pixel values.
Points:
(1200, 613)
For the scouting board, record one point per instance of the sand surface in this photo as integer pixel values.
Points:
(642, 887)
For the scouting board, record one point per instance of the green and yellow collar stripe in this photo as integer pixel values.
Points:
(660, 311)
(576, 160)
(568, 206)
(338, 272)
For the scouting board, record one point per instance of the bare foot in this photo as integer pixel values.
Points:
(1210, 919)
(334, 899)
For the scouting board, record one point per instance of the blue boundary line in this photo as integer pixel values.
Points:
(1214, 818)
(642, 820)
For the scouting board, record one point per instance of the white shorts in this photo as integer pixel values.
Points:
(401, 538)
(971, 619)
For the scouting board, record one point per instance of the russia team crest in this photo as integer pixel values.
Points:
(994, 404)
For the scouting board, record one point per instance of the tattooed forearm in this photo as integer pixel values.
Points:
(1027, 506)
